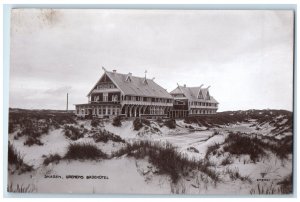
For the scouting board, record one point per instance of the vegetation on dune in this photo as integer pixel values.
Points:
(286, 185)
(105, 136)
(238, 144)
(33, 140)
(273, 117)
(20, 188)
(166, 159)
(84, 151)
(138, 123)
(117, 121)
(16, 159)
(34, 123)
(52, 158)
(94, 123)
(21, 118)
(170, 123)
(212, 150)
(74, 133)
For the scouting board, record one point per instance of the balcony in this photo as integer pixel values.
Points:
(131, 102)
(202, 107)
(104, 102)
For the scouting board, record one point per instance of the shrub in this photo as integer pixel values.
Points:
(84, 151)
(52, 158)
(170, 123)
(138, 123)
(95, 123)
(117, 121)
(73, 133)
(15, 158)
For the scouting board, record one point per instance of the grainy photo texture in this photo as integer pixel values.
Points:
(151, 101)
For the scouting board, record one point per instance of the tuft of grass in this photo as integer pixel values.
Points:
(193, 149)
(265, 190)
(52, 158)
(16, 159)
(212, 149)
(105, 136)
(286, 185)
(33, 140)
(84, 151)
(234, 174)
(20, 188)
(226, 161)
(240, 144)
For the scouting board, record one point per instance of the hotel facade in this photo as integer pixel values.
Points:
(117, 94)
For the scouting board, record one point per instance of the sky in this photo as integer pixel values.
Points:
(245, 56)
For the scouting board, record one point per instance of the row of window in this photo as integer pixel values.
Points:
(101, 111)
(146, 99)
(203, 104)
(156, 111)
(115, 98)
(106, 86)
(202, 111)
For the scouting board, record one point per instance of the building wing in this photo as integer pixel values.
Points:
(192, 93)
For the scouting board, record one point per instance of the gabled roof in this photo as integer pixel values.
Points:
(136, 86)
(191, 93)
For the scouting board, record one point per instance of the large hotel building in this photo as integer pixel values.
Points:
(126, 95)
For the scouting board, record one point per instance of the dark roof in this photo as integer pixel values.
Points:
(191, 93)
(137, 86)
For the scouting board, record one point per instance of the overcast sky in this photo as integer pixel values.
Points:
(245, 56)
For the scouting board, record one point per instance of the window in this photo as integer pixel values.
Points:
(115, 98)
(105, 97)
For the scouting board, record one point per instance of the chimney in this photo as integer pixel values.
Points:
(67, 102)
(114, 71)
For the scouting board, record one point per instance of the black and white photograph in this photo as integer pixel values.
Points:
(151, 101)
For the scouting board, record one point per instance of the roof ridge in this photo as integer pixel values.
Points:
(127, 74)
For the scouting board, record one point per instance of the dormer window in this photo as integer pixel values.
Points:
(200, 96)
(128, 78)
(207, 96)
